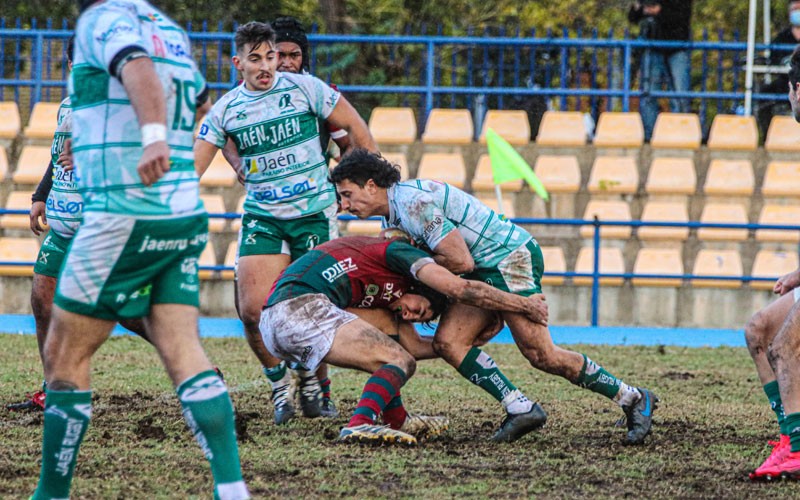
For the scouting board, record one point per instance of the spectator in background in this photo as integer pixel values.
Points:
(788, 36)
(662, 20)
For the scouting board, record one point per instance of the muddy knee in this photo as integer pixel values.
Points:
(755, 332)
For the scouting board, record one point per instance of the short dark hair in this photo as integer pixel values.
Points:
(71, 48)
(439, 301)
(359, 166)
(794, 67)
(254, 33)
(289, 29)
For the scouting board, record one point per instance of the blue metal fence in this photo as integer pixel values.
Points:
(595, 274)
(565, 71)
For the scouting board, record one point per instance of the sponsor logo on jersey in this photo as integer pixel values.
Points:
(114, 31)
(276, 133)
(285, 104)
(264, 163)
(241, 115)
(389, 293)
(43, 257)
(203, 129)
(286, 192)
(64, 206)
(372, 289)
(339, 269)
(432, 226)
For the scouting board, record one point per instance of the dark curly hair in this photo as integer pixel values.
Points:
(439, 301)
(359, 166)
(254, 33)
(794, 67)
(289, 29)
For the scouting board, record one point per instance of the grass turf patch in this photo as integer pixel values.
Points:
(710, 431)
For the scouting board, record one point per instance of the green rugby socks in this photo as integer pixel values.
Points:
(595, 378)
(480, 369)
(774, 395)
(66, 418)
(208, 412)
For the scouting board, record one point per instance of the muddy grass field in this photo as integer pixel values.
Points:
(711, 429)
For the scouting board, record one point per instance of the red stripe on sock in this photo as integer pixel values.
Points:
(380, 391)
(395, 417)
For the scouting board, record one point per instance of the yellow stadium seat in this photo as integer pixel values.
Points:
(17, 200)
(723, 213)
(772, 264)
(32, 165)
(562, 128)
(607, 210)
(614, 175)
(611, 262)
(554, 262)
(779, 215)
(43, 122)
(666, 261)
(207, 258)
(444, 167)
(236, 224)
(671, 176)
(484, 181)
(490, 200)
(215, 204)
(364, 227)
(448, 126)
(3, 163)
(511, 125)
(393, 125)
(782, 179)
(559, 174)
(400, 160)
(18, 250)
(730, 178)
(619, 130)
(676, 131)
(230, 260)
(10, 122)
(783, 134)
(664, 211)
(717, 263)
(219, 173)
(733, 132)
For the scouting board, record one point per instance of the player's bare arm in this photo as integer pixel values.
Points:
(345, 116)
(204, 153)
(149, 103)
(452, 253)
(482, 295)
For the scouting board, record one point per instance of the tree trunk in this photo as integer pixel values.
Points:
(334, 14)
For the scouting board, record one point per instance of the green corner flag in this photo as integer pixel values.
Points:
(508, 165)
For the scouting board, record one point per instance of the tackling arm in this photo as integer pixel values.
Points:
(482, 295)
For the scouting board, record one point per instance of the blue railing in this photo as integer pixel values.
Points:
(596, 275)
(571, 71)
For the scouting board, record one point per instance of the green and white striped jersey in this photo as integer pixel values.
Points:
(276, 132)
(64, 203)
(428, 210)
(107, 140)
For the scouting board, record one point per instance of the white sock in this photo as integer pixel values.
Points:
(515, 402)
(627, 395)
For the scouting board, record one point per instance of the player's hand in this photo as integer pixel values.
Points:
(65, 158)
(38, 210)
(538, 312)
(154, 163)
(787, 283)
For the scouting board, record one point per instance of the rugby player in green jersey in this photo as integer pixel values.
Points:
(290, 206)
(469, 238)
